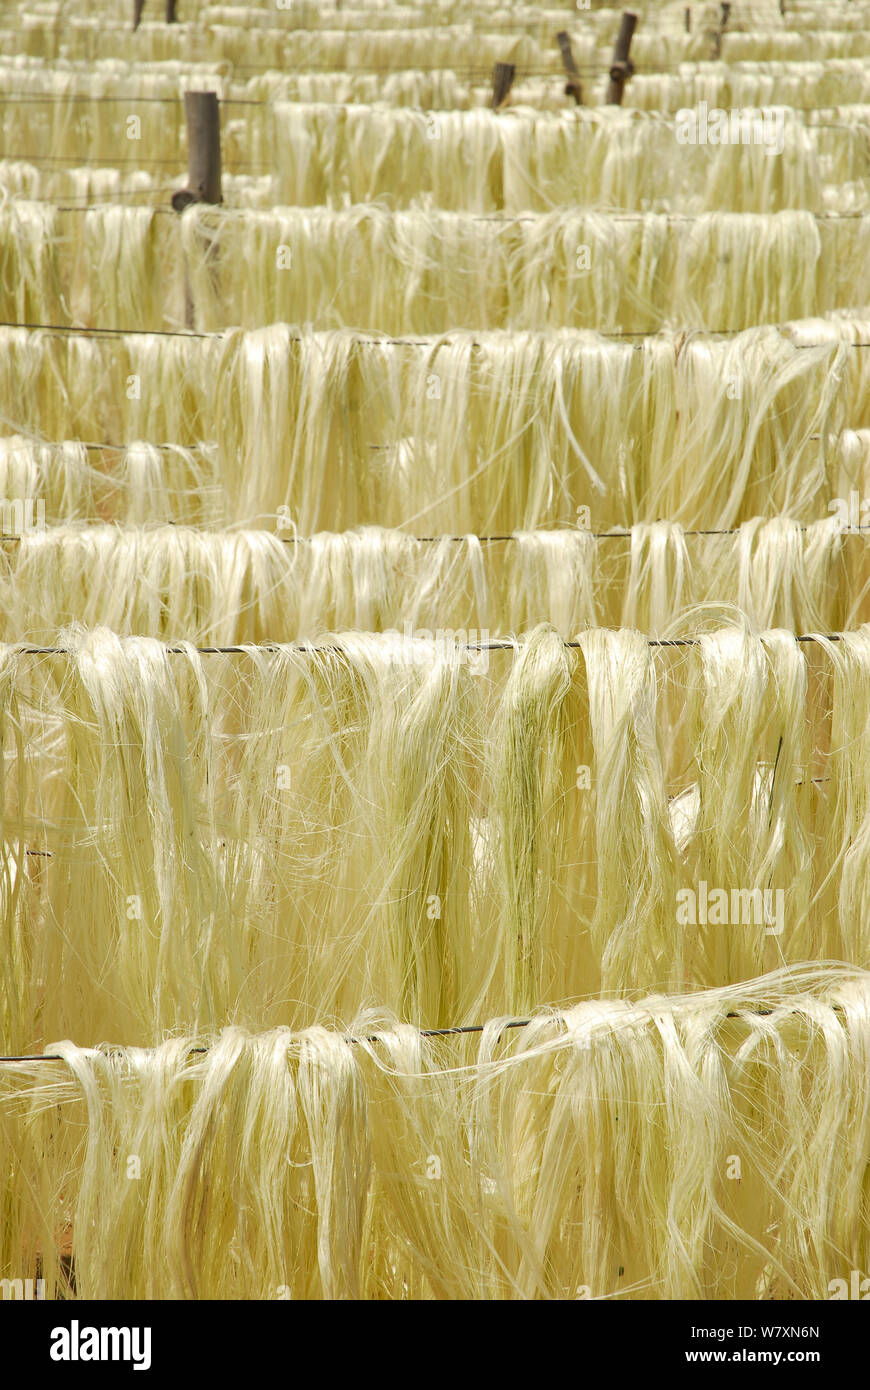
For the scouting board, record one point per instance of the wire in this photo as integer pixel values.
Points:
(229, 164)
(442, 338)
(506, 219)
(116, 332)
(500, 644)
(369, 1037)
(465, 1028)
(48, 98)
(616, 535)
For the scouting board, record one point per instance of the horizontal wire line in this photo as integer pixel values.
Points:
(464, 1028)
(691, 66)
(412, 341)
(620, 535)
(112, 332)
(507, 219)
(110, 162)
(634, 112)
(483, 70)
(501, 644)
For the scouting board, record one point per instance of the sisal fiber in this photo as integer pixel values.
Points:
(294, 834)
(421, 271)
(435, 653)
(801, 85)
(524, 160)
(224, 587)
(482, 433)
(593, 1154)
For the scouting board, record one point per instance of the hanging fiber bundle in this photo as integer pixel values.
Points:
(525, 160)
(276, 47)
(69, 481)
(141, 386)
(807, 84)
(801, 85)
(411, 820)
(20, 179)
(168, 582)
(419, 271)
(43, 482)
(227, 587)
(817, 45)
(482, 433)
(495, 432)
(710, 1146)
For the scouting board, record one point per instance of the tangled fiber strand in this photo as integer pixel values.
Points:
(591, 1154)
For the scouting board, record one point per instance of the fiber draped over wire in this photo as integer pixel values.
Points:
(138, 483)
(594, 1154)
(227, 587)
(434, 47)
(478, 433)
(799, 85)
(478, 160)
(293, 834)
(433, 593)
(279, 47)
(525, 160)
(420, 271)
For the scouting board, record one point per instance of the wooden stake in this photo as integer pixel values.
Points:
(572, 86)
(202, 112)
(621, 67)
(171, 17)
(203, 151)
(688, 19)
(725, 9)
(138, 6)
(502, 80)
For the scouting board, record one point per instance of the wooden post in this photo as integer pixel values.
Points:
(621, 67)
(171, 17)
(572, 86)
(725, 10)
(502, 81)
(138, 6)
(203, 151)
(202, 112)
(688, 19)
